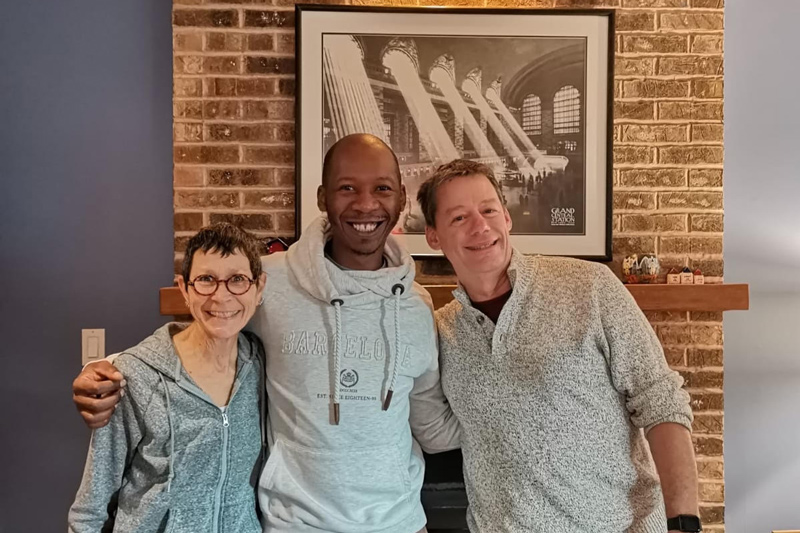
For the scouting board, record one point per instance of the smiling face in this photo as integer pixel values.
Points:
(472, 227)
(221, 315)
(363, 197)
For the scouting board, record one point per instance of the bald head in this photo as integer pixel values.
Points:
(350, 146)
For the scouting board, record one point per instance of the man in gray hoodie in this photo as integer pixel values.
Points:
(352, 369)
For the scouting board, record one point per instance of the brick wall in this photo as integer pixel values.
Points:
(234, 154)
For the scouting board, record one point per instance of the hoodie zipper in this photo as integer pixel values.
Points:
(223, 474)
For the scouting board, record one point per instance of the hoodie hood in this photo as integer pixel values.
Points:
(348, 289)
(325, 281)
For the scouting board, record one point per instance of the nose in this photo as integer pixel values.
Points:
(366, 202)
(478, 224)
(222, 293)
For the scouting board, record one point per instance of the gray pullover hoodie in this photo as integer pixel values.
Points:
(348, 338)
(170, 460)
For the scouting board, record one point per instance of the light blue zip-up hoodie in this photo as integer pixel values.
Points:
(170, 460)
(351, 339)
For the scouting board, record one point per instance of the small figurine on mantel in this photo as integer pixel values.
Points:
(687, 278)
(673, 277)
(699, 278)
(640, 270)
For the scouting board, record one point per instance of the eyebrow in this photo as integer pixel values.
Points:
(480, 204)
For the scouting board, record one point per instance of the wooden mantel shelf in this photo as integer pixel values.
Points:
(659, 297)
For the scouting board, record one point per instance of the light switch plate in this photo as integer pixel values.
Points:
(93, 345)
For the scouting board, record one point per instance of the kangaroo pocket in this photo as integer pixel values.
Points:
(335, 489)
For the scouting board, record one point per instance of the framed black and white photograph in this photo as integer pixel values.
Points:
(526, 92)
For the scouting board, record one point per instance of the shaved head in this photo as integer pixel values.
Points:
(350, 142)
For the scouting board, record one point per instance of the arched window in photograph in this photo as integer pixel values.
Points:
(567, 110)
(532, 115)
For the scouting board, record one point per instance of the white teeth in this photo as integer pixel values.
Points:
(366, 228)
(222, 314)
(483, 247)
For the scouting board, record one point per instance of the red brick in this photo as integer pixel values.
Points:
(659, 133)
(206, 154)
(187, 87)
(707, 133)
(270, 155)
(225, 42)
(241, 177)
(705, 88)
(636, 201)
(706, 223)
(268, 19)
(652, 223)
(269, 65)
(269, 200)
(706, 423)
(187, 177)
(712, 515)
(635, 21)
(690, 155)
(216, 18)
(690, 200)
(712, 492)
(187, 42)
(263, 42)
(633, 154)
(221, 109)
(655, 44)
(655, 3)
(705, 178)
(187, 64)
(689, 20)
(704, 380)
(652, 177)
(690, 110)
(240, 132)
(709, 446)
(206, 199)
(187, 132)
(655, 88)
(285, 43)
(221, 65)
(251, 222)
(705, 316)
(688, 334)
(285, 221)
(706, 401)
(710, 469)
(707, 44)
(187, 221)
(633, 245)
(268, 109)
(690, 65)
(709, 267)
(634, 66)
(634, 110)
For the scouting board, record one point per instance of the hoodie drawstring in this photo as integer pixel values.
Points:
(171, 436)
(397, 291)
(337, 306)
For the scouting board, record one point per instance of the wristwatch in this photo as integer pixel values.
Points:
(685, 522)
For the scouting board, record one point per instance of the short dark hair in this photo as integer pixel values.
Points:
(457, 168)
(327, 162)
(225, 239)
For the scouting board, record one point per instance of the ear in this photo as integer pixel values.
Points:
(433, 238)
(507, 216)
(261, 281)
(322, 205)
(182, 286)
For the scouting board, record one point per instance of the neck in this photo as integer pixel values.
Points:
(484, 287)
(194, 343)
(354, 261)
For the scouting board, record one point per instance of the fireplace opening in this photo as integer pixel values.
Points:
(443, 495)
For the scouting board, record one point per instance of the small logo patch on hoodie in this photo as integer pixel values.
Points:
(348, 378)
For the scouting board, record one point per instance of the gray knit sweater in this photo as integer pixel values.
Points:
(553, 400)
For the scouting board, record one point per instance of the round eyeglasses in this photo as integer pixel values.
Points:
(208, 285)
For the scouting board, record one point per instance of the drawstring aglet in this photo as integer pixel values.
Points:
(388, 400)
(336, 414)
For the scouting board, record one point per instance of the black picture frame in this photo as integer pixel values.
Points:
(564, 205)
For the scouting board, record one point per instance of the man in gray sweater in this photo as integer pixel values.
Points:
(557, 379)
